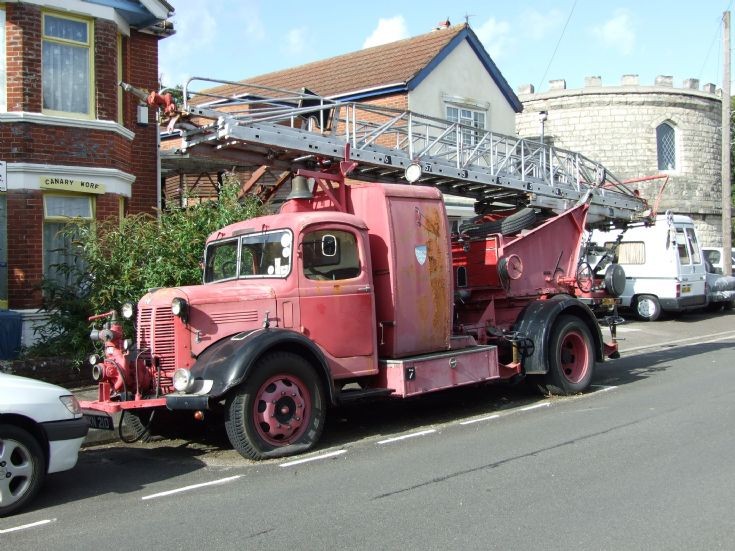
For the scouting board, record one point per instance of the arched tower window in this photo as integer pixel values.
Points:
(666, 146)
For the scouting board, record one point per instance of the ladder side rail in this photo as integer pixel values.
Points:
(270, 92)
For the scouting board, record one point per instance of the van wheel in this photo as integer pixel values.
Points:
(281, 404)
(647, 308)
(571, 357)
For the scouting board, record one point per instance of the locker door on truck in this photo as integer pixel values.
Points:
(337, 299)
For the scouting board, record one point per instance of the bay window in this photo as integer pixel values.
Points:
(66, 65)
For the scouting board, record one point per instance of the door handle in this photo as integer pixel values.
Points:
(366, 288)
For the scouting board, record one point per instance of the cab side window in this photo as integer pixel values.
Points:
(330, 255)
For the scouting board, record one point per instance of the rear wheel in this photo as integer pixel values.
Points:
(647, 308)
(22, 468)
(281, 405)
(571, 357)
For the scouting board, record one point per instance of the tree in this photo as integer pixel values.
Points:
(122, 259)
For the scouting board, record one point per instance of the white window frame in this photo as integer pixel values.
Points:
(58, 219)
(468, 116)
(88, 45)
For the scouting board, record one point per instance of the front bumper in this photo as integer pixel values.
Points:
(187, 402)
(65, 438)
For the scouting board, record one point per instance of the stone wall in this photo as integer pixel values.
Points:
(616, 125)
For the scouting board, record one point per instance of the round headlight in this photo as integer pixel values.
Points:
(178, 307)
(181, 379)
(128, 310)
(94, 359)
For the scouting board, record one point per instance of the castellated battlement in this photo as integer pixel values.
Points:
(593, 84)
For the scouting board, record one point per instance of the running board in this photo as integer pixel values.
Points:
(347, 396)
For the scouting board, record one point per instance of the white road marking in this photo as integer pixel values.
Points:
(683, 342)
(314, 458)
(480, 420)
(603, 389)
(535, 406)
(26, 526)
(192, 487)
(412, 435)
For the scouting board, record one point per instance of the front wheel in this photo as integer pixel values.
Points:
(571, 357)
(279, 409)
(647, 308)
(22, 468)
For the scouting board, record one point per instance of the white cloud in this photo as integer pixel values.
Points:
(199, 35)
(388, 30)
(617, 33)
(537, 25)
(296, 42)
(196, 28)
(494, 36)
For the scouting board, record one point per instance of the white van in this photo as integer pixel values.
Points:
(664, 269)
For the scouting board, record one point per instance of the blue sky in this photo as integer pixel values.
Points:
(527, 39)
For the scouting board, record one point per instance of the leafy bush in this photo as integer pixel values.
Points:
(122, 259)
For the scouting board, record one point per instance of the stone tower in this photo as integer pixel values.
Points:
(638, 131)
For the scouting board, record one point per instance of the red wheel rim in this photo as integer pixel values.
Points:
(281, 410)
(574, 356)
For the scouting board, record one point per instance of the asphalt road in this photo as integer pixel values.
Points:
(645, 460)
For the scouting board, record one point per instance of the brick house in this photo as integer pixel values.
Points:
(445, 73)
(71, 143)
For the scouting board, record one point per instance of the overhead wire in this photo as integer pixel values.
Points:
(553, 54)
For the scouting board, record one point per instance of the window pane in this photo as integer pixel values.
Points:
(633, 252)
(693, 246)
(67, 29)
(330, 255)
(682, 248)
(666, 145)
(452, 114)
(59, 261)
(65, 78)
(68, 206)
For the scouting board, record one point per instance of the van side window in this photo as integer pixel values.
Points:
(330, 255)
(693, 246)
(681, 246)
(630, 252)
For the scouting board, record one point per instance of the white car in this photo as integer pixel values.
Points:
(41, 431)
(713, 255)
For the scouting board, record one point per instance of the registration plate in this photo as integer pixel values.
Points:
(99, 421)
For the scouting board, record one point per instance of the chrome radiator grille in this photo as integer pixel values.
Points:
(156, 339)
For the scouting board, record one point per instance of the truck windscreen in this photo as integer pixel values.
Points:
(255, 255)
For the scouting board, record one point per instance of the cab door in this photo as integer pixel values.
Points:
(337, 301)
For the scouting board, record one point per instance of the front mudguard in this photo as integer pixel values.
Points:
(536, 321)
(228, 362)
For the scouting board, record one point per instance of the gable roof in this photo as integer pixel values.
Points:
(394, 67)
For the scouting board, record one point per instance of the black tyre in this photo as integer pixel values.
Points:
(514, 223)
(647, 307)
(278, 410)
(135, 425)
(571, 357)
(22, 468)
